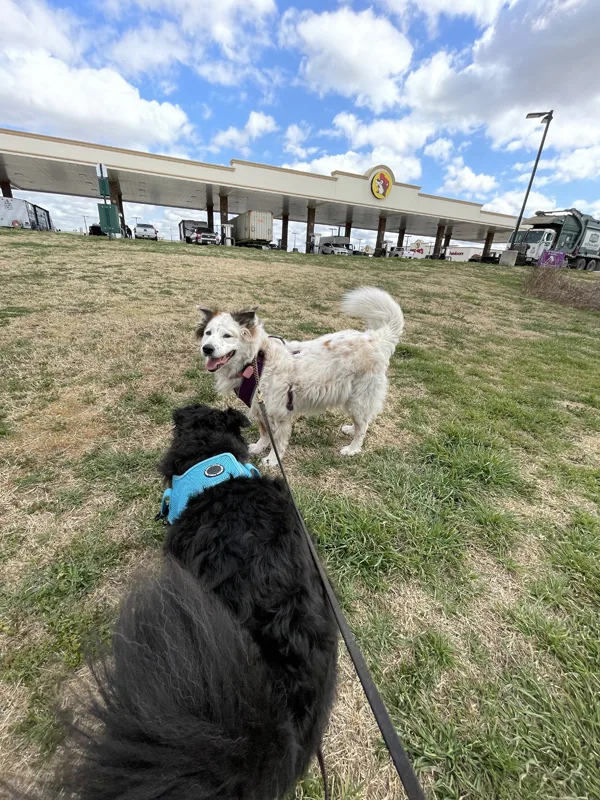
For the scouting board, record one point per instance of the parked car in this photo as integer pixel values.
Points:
(335, 246)
(145, 231)
(96, 230)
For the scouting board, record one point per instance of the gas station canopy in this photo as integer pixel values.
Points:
(47, 164)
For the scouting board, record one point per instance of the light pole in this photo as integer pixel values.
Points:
(547, 117)
(85, 228)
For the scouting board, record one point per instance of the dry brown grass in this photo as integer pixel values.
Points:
(100, 346)
(561, 287)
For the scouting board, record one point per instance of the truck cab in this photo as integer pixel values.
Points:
(534, 241)
(570, 232)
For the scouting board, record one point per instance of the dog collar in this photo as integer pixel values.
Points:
(197, 479)
(245, 391)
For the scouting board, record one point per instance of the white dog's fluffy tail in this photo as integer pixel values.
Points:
(381, 312)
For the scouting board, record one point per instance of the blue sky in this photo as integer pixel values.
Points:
(436, 89)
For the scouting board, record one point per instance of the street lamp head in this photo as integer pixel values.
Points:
(547, 115)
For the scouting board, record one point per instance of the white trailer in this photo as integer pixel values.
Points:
(416, 249)
(253, 228)
(460, 253)
(17, 213)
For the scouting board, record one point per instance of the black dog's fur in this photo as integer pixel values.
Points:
(223, 667)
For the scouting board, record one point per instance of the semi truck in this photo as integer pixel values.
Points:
(17, 213)
(569, 231)
(253, 229)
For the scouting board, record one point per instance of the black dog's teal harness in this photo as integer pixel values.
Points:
(197, 479)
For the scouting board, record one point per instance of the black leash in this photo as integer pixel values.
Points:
(397, 753)
(321, 761)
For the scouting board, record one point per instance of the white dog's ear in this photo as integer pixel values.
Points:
(246, 318)
(206, 314)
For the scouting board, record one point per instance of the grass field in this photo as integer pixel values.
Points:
(464, 542)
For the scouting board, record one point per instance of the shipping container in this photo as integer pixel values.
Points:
(253, 228)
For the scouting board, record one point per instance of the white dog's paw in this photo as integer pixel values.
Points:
(269, 461)
(348, 430)
(257, 448)
(350, 450)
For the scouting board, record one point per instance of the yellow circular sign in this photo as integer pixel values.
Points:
(381, 184)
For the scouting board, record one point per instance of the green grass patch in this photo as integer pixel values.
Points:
(130, 475)
(475, 603)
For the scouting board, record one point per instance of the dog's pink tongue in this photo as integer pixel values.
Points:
(213, 363)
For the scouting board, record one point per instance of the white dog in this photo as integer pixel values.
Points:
(345, 369)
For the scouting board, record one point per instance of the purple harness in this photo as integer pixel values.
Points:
(247, 387)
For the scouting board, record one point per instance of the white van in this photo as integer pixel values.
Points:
(145, 231)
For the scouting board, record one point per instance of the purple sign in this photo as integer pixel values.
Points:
(551, 258)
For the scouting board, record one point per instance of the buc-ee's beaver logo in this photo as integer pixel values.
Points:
(381, 184)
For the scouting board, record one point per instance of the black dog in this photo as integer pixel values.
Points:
(224, 666)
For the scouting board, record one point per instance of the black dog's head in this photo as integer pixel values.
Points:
(201, 432)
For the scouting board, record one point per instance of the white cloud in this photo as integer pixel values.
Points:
(30, 25)
(404, 135)
(258, 125)
(238, 27)
(222, 72)
(583, 163)
(46, 84)
(40, 92)
(149, 48)
(440, 150)
(227, 73)
(355, 54)
(295, 136)
(587, 207)
(482, 11)
(393, 142)
(511, 202)
(462, 181)
(167, 87)
(517, 66)
(405, 168)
